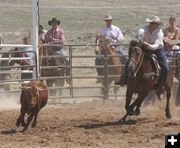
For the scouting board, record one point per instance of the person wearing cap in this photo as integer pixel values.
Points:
(114, 35)
(153, 38)
(56, 36)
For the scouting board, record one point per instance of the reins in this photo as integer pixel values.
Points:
(138, 63)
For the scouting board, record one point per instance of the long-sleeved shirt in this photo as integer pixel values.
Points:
(154, 39)
(111, 32)
(55, 36)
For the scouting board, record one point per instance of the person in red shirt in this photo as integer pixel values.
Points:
(56, 36)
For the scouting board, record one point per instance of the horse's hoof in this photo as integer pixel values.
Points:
(137, 111)
(131, 113)
(121, 120)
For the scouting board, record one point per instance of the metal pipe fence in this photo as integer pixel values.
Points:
(82, 73)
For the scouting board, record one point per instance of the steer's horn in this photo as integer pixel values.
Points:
(40, 89)
(21, 87)
(24, 87)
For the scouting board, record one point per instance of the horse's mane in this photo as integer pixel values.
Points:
(135, 43)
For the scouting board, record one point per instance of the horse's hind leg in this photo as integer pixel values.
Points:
(60, 83)
(115, 91)
(51, 90)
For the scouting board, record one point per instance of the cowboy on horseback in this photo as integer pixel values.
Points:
(114, 35)
(56, 36)
(153, 40)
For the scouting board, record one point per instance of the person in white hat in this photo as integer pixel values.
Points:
(114, 35)
(153, 38)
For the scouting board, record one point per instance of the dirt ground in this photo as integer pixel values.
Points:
(92, 125)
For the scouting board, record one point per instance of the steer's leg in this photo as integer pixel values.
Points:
(35, 119)
(20, 119)
(29, 120)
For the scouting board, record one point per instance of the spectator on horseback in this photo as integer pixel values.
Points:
(153, 40)
(42, 33)
(114, 35)
(56, 36)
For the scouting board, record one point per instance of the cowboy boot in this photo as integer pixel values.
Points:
(122, 81)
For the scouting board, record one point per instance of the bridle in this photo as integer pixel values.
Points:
(138, 62)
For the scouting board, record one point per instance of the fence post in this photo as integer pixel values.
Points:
(106, 89)
(70, 71)
(35, 11)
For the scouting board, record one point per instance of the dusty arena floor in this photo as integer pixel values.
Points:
(88, 124)
(91, 125)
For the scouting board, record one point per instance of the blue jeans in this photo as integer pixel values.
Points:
(164, 66)
(64, 55)
(122, 54)
(120, 50)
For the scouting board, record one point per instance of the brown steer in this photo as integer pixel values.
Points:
(34, 96)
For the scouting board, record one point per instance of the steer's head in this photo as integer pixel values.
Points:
(30, 96)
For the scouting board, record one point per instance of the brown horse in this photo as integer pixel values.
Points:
(113, 59)
(56, 71)
(141, 79)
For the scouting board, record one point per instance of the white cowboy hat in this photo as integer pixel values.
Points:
(154, 19)
(108, 17)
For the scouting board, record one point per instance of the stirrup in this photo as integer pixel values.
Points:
(121, 82)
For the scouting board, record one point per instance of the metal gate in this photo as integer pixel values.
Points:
(11, 76)
(82, 75)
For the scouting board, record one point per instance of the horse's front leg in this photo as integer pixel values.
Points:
(129, 109)
(138, 103)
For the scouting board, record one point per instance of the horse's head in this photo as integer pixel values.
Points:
(135, 55)
(104, 46)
